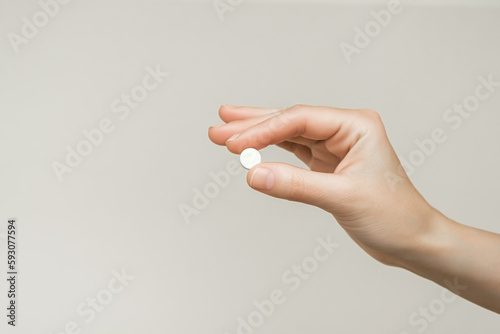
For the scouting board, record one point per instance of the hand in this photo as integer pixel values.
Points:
(357, 177)
(354, 172)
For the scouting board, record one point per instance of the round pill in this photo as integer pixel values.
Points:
(249, 158)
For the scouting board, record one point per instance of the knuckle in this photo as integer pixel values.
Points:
(373, 119)
(296, 116)
(295, 110)
(264, 137)
(296, 107)
(296, 188)
(371, 115)
(277, 121)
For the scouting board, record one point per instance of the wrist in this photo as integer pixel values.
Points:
(429, 245)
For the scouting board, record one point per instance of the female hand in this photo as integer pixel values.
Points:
(357, 177)
(354, 172)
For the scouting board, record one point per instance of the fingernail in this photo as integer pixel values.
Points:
(262, 178)
(233, 137)
(216, 126)
(229, 106)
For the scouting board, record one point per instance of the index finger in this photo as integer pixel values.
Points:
(313, 122)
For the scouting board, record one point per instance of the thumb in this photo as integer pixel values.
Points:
(295, 184)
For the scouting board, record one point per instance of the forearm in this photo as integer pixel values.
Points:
(463, 259)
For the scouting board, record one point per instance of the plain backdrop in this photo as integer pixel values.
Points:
(119, 209)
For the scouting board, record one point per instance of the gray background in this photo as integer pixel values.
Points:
(120, 207)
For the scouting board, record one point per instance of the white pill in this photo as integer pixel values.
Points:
(250, 157)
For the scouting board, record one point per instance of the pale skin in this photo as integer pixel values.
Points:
(355, 174)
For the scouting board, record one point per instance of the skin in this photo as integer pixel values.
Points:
(356, 176)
